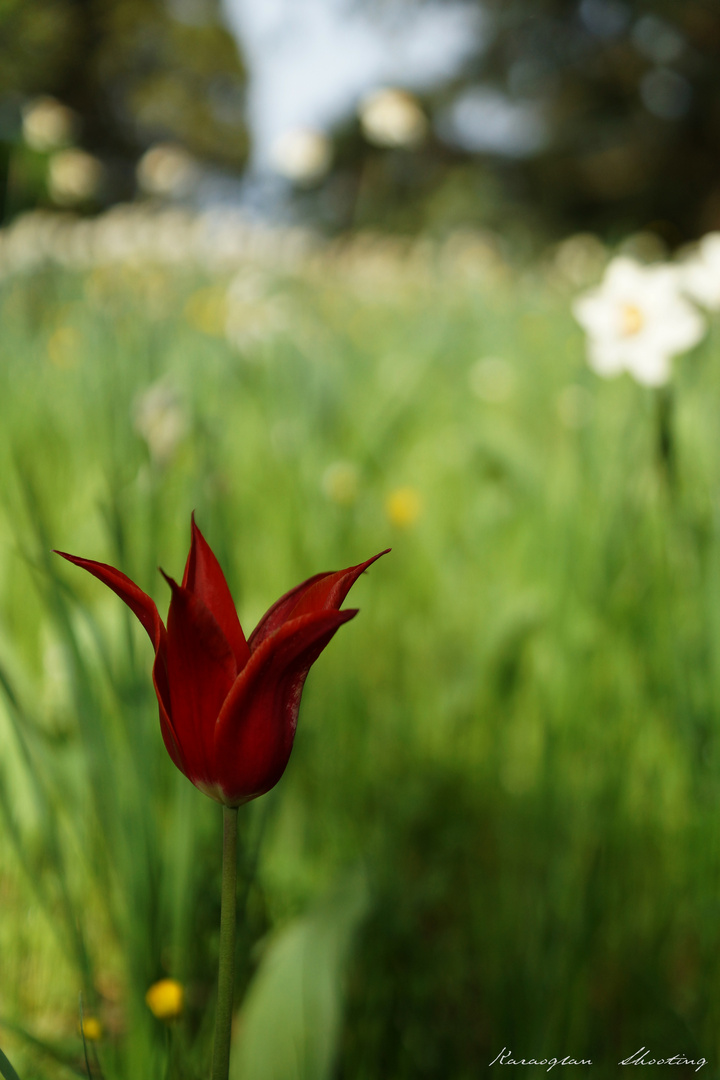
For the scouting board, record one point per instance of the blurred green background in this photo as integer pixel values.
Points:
(499, 825)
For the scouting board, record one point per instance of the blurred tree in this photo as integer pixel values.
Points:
(628, 95)
(568, 114)
(135, 72)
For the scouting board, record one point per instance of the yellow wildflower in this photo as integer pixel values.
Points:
(206, 310)
(165, 999)
(63, 346)
(403, 507)
(91, 1028)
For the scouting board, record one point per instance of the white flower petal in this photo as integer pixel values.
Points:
(652, 369)
(594, 313)
(605, 358)
(638, 319)
(700, 274)
(622, 275)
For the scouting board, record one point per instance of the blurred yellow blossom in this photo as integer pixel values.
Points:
(340, 483)
(165, 999)
(63, 346)
(403, 507)
(207, 310)
(91, 1028)
(390, 117)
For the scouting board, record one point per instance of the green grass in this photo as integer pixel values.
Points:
(500, 823)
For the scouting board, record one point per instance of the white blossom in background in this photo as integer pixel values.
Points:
(580, 259)
(254, 313)
(312, 60)
(492, 379)
(575, 406)
(637, 320)
(700, 272)
(217, 240)
(161, 420)
(340, 483)
(74, 176)
(302, 155)
(47, 124)
(167, 170)
(391, 117)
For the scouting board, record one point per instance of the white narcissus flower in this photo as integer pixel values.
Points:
(700, 273)
(637, 320)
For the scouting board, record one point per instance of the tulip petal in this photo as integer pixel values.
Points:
(139, 602)
(201, 668)
(322, 592)
(205, 579)
(256, 727)
(162, 692)
(143, 606)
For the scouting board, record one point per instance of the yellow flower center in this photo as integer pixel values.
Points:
(632, 320)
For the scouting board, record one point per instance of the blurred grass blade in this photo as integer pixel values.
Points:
(53, 1052)
(291, 1017)
(98, 1071)
(71, 937)
(6, 1070)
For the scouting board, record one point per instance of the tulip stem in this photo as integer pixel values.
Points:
(226, 963)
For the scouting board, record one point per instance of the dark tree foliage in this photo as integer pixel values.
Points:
(626, 96)
(135, 71)
(631, 92)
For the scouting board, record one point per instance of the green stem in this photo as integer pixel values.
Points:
(666, 442)
(226, 964)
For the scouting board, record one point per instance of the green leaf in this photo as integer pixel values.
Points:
(291, 1018)
(6, 1070)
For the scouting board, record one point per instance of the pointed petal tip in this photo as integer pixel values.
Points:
(354, 572)
(204, 577)
(142, 605)
(66, 555)
(170, 580)
(363, 566)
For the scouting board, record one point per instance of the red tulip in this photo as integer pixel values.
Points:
(229, 706)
